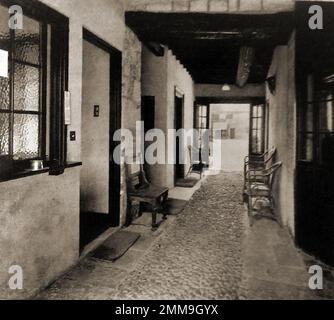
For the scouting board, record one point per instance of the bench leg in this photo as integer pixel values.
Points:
(163, 206)
(154, 220)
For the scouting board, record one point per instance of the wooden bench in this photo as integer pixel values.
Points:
(141, 191)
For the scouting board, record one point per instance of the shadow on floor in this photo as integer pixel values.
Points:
(275, 269)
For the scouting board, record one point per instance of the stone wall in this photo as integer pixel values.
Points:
(131, 98)
(131, 80)
(233, 6)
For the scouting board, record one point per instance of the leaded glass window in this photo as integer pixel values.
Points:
(23, 81)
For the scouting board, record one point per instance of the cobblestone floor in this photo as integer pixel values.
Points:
(206, 252)
(197, 255)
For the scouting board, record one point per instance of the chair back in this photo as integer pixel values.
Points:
(273, 171)
(269, 156)
(135, 175)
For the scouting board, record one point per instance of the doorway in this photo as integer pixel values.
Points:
(258, 129)
(100, 175)
(232, 123)
(179, 169)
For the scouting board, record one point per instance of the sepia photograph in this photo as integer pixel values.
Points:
(176, 151)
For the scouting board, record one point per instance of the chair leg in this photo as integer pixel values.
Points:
(163, 206)
(250, 210)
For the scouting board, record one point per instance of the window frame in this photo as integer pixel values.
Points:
(59, 29)
(261, 131)
(41, 112)
(199, 116)
(315, 102)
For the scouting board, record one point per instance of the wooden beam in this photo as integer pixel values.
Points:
(246, 60)
(156, 48)
(208, 44)
(208, 22)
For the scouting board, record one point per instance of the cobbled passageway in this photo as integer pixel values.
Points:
(198, 256)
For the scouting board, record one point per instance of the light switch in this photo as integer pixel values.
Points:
(73, 136)
(96, 111)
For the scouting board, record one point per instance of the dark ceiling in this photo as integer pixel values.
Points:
(208, 45)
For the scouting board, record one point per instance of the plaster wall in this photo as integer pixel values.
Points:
(39, 218)
(160, 77)
(282, 129)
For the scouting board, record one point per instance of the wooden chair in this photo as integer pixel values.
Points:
(257, 162)
(141, 191)
(195, 166)
(260, 193)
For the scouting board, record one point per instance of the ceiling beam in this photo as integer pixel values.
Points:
(246, 59)
(206, 22)
(208, 44)
(156, 48)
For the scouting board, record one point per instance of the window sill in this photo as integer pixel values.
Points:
(73, 164)
(30, 172)
(23, 174)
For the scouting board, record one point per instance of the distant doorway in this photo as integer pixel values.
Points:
(179, 124)
(232, 123)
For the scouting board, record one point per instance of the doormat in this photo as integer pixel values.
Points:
(186, 183)
(175, 206)
(116, 245)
